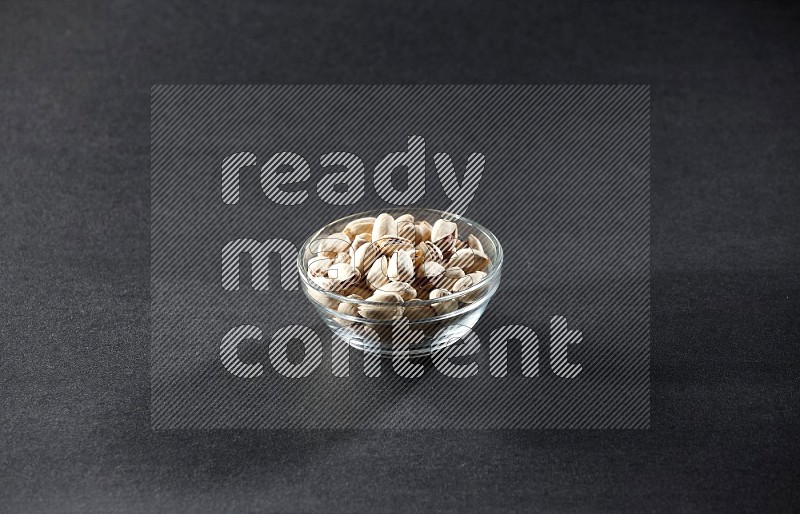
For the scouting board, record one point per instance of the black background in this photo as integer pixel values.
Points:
(74, 196)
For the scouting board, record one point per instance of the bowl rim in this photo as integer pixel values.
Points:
(490, 276)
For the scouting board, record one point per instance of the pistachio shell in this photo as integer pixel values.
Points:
(323, 283)
(318, 296)
(463, 283)
(422, 232)
(364, 256)
(405, 227)
(388, 245)
(477, 276)
(384, 226)
(469, 260)
(468, 281)
(385, 297)
(377, 274)
(359, 240)
(404, 289)
(382, 311)
(318, 267)
(430, 269)
(443, 307)
(359, 226)
(428, 273)
(357, 290)
(448, 278)
(344, 272)
(342, 257)
(348, 308)
(427, 251)
(474, 243)
(401, 267)
(417, 312)
(444, 229)
(336, 243)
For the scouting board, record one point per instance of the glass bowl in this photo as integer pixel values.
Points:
(417, 327)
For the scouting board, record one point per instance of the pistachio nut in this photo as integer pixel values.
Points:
(342, 257)
(385, 297)
(448, 247)
(444, 229)
(401, 267)
(469, 260)
(377, 274)
(443, 307)
(418, 312)
(324, 283)
(388, 245)
(335, 243)
(422, 232)
(382, 311)
(357, 290)
(344, 274)
(477, 276)
(447, 279)
(474, 243)
(349, 308)
(384, 225)
(404, 289)
(328, 285)
(463, 283)
(359, 240)
(318, 266)
(364, 256)
(405, 227)
(428, 273)
(468, 281)
(358, 227)
(427, 251)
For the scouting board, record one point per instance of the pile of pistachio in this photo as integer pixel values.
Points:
(394, 261)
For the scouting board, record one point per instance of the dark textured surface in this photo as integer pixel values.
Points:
(74, 120)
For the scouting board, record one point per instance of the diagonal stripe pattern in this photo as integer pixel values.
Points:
(241, 175)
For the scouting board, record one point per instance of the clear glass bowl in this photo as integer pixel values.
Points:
(418, 336)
